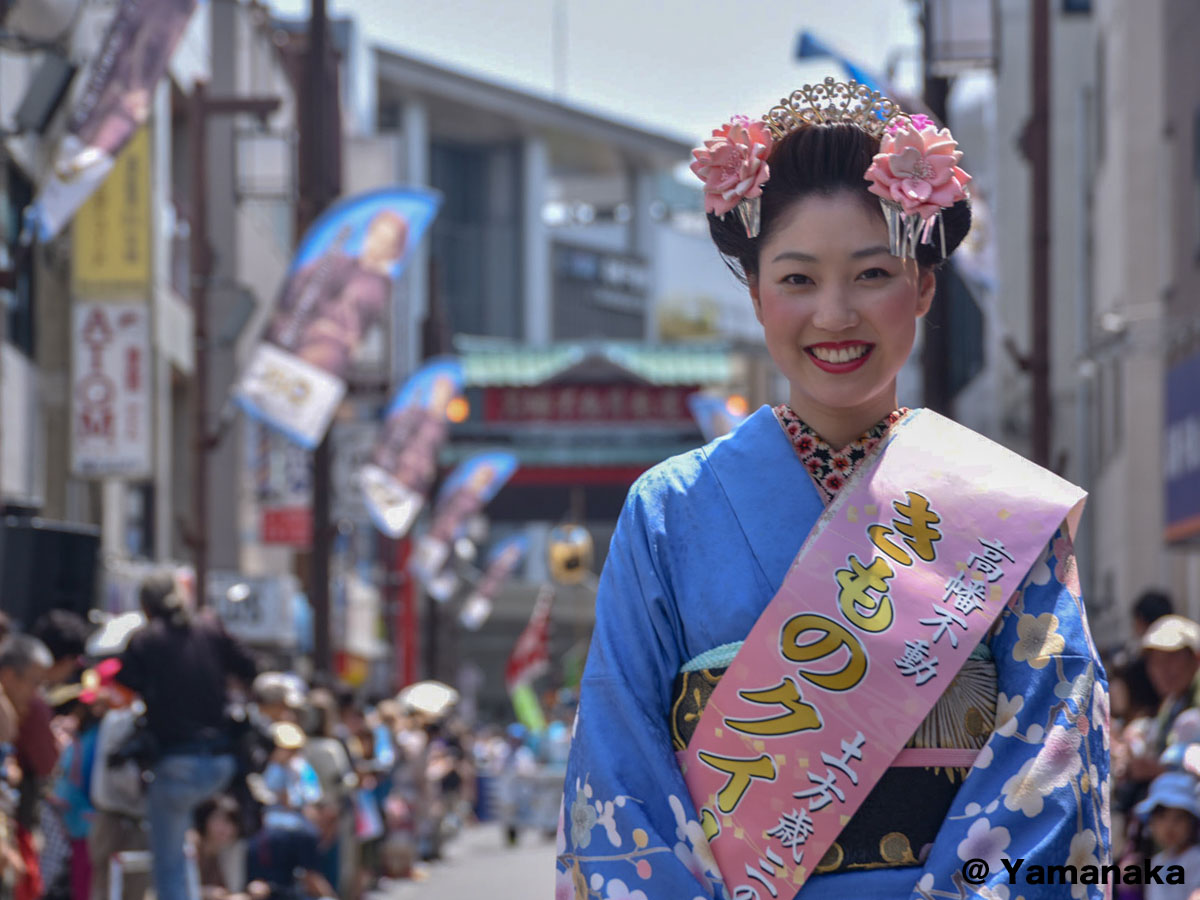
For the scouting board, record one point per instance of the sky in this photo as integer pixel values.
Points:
(681, 67)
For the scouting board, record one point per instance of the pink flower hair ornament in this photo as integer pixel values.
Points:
(733, 166)
(916, 176)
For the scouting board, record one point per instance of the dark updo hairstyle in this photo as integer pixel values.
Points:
(821, 159)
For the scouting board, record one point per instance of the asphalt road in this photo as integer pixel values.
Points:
(478, 863)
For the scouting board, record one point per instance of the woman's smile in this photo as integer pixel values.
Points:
(840, 356)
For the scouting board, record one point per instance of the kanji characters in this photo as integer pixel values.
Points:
(793, 830)
(944, 618)
(917, 662)
(968, 593)
(988, 562)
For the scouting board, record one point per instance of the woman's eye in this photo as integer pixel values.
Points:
(797, 278)
(875, 273)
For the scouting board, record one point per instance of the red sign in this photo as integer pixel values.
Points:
(289, 525)
(589, 403)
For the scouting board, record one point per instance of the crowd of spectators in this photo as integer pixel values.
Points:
(1155, 740)
(174, 756)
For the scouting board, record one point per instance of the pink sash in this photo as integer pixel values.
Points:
(898, 582)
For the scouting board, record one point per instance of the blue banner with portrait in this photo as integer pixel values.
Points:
(403, 462)
(501, 563)
(1181, 444)
(339, 285)
(465, 493)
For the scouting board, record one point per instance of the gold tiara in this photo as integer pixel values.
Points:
(833, 102)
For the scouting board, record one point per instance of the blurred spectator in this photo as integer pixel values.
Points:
(1174, 818)
(331, 761)
(180, 666)
(70, 805)
(517, 769)
(1172, 651)
(65, 635)
(221, 866)
(279, 696)
(286, 857)
(24, 665)
(1149, 607)
(289, 776)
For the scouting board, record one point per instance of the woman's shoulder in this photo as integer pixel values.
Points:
(682, 476)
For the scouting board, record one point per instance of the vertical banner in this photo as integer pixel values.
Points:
(530, 658)
(715, 414)
(1181, 442)
(110, 390)
(403, 462)
(110, 235)
(468, 490)
(502, 561)
(339, 285)
(115, 102)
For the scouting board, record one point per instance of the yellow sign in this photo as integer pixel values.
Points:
(112, 233)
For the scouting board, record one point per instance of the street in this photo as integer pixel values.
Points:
(478, 863)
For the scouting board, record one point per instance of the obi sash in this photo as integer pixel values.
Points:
(896, 585)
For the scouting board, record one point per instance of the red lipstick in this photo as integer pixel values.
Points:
(839, 368)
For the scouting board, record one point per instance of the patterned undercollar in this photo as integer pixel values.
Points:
(831, 469)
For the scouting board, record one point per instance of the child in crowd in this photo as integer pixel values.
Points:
(1173, 811)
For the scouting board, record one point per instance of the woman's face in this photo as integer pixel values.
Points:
(838, 310)
(1172, 829)
(220, 830)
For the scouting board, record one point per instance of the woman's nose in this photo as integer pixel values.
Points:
(834, 311)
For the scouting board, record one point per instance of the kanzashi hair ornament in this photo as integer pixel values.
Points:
(733, 166)
(916, 176)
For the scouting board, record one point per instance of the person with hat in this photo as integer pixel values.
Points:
(1171, 647)
(1173, 812)
(279, 696)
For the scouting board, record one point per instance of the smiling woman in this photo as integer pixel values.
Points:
(811, 673)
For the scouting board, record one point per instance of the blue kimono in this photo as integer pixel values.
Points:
(702, 546)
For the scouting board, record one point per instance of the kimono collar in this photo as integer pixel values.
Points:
(831, 469)
(756, 469)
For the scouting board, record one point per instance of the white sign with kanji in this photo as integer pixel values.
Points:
(110, 390)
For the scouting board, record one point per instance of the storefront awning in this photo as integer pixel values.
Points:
(492, 363)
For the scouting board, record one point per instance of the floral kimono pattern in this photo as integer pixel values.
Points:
(678, 583)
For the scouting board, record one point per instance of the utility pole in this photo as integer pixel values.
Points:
(1037, 150)
(320, 182)
(203, 441)
(935, 340)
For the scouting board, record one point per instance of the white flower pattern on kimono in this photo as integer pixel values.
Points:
(1039, 640)
(583, 820)
(1055, 765)
(1083, 846)
(1101, 717)
(692, 848)
(1007, 709)
(1039, 573)
(618, 890)
(985, 842)
(605, 816)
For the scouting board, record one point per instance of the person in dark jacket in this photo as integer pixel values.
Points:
(180, 665)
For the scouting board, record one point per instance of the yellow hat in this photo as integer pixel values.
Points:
(288, 736)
